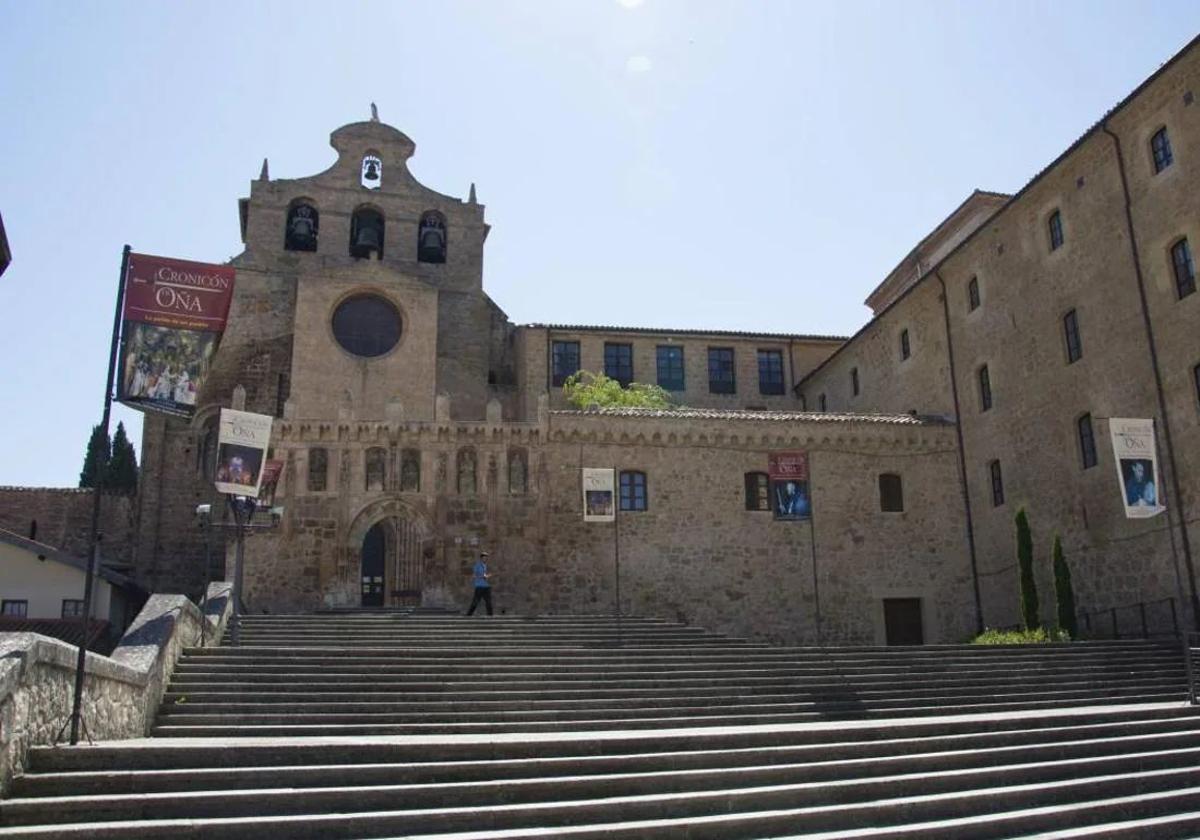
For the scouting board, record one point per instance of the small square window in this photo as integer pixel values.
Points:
(633, 491)
(1071, 333)
(720, 371)
(618, 363)
(1160, 148)
(973, 294)
(905, 346)
(770, 371)
(564, 361)
(758, 494)
(1056, 231)
(1087, 441)
(997, 484)
(670, 368)
(72, 608)
(1185, 269)
(16, 609)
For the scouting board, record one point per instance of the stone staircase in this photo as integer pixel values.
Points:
(430, 725)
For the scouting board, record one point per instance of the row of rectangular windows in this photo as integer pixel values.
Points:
(634, 495)
(71, 608)
(618, 365)
(409, 478)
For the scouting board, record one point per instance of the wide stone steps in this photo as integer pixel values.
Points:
(757, 782)
(406, 724)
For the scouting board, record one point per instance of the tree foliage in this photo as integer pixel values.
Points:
(1029, 597)
(116, 457)
(585, 389)
(1064, 593)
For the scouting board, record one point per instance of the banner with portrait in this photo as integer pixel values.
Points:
(1136, 458)
(599, 490)
(242, 443)
(173, 317)
(788, 476)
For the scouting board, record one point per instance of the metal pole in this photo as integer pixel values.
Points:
(207, 525)
(1162, 499)
(812, 532)
(94, 543)
(617, 548)
(239, 519)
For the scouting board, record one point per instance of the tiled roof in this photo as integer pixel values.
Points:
(676, 331)
(759, 416)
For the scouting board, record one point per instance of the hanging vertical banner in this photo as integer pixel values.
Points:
(174, 315)
(598, 495)
(242, 451)
(1136, 458)
(788, 473)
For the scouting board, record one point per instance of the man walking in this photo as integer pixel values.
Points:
(483, 584)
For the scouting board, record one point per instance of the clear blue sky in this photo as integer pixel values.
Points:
(753, 166)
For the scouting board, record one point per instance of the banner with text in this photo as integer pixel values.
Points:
(242, 451)
(788, 474)
(598, 495)
(174, 315)
(1136, 458)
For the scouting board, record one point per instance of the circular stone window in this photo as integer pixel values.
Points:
(366, 325)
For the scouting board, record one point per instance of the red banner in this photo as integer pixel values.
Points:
(787, 466)
(180, 294)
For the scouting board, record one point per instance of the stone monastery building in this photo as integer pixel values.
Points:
(419, 425)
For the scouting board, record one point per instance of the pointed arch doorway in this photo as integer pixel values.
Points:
(391, 564)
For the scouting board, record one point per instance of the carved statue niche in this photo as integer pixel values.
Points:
(431, 238)
(318, 464)
(466, 472)
(376, 468)
(518, 473)
(303, 223)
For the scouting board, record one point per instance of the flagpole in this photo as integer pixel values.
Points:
(97, 491)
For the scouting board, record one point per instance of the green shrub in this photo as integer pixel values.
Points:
(1064, 593)
(1037, 636)
(1029, 598)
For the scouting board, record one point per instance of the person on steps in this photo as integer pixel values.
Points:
(483, 584)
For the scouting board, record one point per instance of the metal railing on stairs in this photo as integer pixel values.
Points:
(1140, 620)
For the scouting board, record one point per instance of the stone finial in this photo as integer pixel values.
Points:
(239, 399)
(374, 113)
(441, 408)
(495, 412)
(471, 198)
(265, 174)
(394, 410)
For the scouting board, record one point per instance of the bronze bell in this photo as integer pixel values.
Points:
(372, 173)
(367, 238)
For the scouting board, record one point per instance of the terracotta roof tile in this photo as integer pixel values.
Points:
(759, 416)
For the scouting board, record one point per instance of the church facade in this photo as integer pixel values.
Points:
(418, 425)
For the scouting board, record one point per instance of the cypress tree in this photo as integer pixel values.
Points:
(98, 452)
(1064, 593)
(122, 473)
(1029, 598)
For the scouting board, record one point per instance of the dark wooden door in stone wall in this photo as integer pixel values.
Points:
(374, 563)
(902, 619)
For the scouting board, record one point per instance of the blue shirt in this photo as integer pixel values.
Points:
(481, 571)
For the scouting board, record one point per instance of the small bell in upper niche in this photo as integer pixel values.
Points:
(372, 173)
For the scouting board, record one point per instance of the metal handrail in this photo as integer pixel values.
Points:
(1142, 621)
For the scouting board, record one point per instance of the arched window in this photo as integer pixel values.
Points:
(891, 493)
(318, 468)
(366, 233)
(518, 472)
(303, 224)
(376, 468)
(410, 471)
(431, 237)
(466, 472)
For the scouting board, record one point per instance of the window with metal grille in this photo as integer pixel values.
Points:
(1071, 333)
(985, 389)
(770, 371)
(720, 371)
(564, 356)
(973, 294)
(997, 484)
(633, 491)
(1160, 147)
(1185, 269)
(1087, 441)
(618, 363)
(670, 368)
(758, 494)
(1056, 231)
(891, 493)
